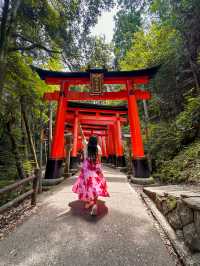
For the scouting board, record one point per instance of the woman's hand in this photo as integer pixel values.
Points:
(82, 135)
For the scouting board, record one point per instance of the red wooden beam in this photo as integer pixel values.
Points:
(108, 80)
(140, 94)
(94, 122)
(86, 96)
(96, 118)
(95, 127)
(88, 133)
(100, 111)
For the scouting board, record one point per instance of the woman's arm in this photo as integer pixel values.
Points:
(84, 141)
(99, 152)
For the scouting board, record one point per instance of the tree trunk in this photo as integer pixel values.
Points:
(8, 19)
(3, 44)
(29, 135)
(16, 152)
(193, 65)
(23, 139)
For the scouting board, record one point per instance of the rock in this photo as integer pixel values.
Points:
(186, 213)
(174, 219)
(179, 234)
(158, 202)
(191, 237)
(152, 192)
(197, 221)
(193, 202)
(165, 207)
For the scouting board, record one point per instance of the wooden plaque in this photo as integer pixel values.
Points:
(96, 82)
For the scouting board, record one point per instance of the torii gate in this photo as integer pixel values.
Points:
(89, 115)
(112, 147)
(96, 78)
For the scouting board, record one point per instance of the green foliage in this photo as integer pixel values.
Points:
(126, 24)
(164, 142)
(28, 167)
(52, 35)
(188, 121)
(175, 146)
(185, 167)
(150, 48)
(97, 53)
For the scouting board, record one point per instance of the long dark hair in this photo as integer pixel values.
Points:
(92, 149)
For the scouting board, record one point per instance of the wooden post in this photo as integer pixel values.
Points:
(68, 148)
(35, 186)
(75, 136)
(74, 158)
(57, 147)
(141, 168)
(113, 137)
(55, 162)
(120, 160)
(50, 126)
(119, 136)
(42, 140)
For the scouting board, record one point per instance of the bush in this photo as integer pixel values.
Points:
(164, 142)
(185, 167)
(188, 121)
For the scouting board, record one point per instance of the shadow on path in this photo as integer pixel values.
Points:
(78, 209)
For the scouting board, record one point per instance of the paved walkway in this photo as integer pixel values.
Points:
(123, 233)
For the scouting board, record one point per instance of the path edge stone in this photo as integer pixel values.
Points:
(183, 252)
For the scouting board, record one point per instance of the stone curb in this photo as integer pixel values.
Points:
(182, 251)
(52, 182)
(142, 181)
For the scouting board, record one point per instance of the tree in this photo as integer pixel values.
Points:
(45, 28)
(183, 16)
(97, 53)
(45, 33)
(126, 24)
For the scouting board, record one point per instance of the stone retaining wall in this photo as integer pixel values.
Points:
(183, 214)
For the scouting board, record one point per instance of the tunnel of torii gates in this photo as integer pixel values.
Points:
(99, 120)
(104, 121)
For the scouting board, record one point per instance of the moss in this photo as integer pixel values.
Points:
(171, 202)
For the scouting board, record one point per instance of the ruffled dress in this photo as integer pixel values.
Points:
(91, 182)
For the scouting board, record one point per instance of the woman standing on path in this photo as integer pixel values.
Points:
(91, 183)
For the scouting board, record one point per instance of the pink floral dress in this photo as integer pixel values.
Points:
(91, 182)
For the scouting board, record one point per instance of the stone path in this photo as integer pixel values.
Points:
(63, 233)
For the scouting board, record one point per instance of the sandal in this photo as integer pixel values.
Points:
(94, 210)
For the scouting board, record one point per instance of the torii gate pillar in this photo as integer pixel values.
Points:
(54, 167)
(114, 145)
(140, 162)
(74, 158)
(111, 146)
(120, 160)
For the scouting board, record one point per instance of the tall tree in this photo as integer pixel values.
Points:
(127, 22)
(97, 53)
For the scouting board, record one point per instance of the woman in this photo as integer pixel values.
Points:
(91, 183)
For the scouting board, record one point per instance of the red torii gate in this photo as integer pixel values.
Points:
(129, 79)
(88, 115)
